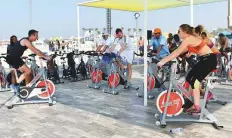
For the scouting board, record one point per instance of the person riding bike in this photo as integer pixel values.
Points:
(159, 44)
(224, 43)
(209, 42)
(104, 47)
(125, 50)
(207, 62)
(15, 52)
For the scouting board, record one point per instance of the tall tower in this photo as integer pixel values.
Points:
(229, 13)
(108, 20)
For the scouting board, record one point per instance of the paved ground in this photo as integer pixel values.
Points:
(87, 113)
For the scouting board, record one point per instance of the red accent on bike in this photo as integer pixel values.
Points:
(96, 76)
(150, 83)
(175, 104)
(113, 83)
(51, 89)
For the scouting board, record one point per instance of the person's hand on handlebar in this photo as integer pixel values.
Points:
(118, 53)
(160, 64)
(154, 54)
(48, 58)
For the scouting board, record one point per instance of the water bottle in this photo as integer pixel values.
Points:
(176, 130)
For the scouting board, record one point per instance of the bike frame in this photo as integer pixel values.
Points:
(36, 78)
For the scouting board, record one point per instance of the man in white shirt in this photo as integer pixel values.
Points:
(125, 50)
(104, 44)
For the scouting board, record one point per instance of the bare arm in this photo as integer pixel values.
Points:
(181, 49)
(226, 44)
(112, 48)
(99, 48)
(158, 50)
(104, 48)
(123, 47)
(28, 44)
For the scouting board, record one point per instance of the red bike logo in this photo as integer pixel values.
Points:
(175, 103)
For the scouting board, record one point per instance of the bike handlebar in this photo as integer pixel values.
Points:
(3, 57)
(92, 53)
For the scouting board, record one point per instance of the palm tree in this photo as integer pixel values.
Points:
(122, 28)
(104, 29)
(140, 30)
(134, 29)
(96, 29)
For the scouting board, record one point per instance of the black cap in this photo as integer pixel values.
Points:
(31, 32)
(118, 30)
(221, 35)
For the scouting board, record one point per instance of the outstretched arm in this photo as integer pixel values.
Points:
(28, 44)
(181, 49)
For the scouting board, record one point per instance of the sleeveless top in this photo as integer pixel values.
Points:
(197, 48)
(16, 50)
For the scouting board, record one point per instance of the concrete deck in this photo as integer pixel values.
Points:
(85, 113)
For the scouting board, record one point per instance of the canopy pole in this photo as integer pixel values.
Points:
(78, 26)
(30, 13)
(229, 13)
(145, 52)
(191, 11)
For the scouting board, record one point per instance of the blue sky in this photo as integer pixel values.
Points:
(58, 17)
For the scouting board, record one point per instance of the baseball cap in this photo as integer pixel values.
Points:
(157, 30)
(105, 33)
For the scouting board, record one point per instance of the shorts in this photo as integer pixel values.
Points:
(15, 62)
(128, 56)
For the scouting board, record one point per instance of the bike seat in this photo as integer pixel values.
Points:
(3, 54)
(215, 70)
(32, 55)
(24, 57)
(62, 58)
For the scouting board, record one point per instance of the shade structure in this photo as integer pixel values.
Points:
(138, 5)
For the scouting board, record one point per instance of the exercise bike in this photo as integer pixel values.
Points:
(3, 82)
(53, 70)
(81, 68)
(228, 69)
(44, 90)
(153, 78)
(171, 102)
(94, 69)
(116, 76)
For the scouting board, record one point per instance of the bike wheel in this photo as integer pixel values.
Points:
(51, 89)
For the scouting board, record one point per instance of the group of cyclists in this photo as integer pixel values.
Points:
(189, 41)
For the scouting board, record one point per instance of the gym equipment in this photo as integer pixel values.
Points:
(42, 89)
(94, 68)
(81, 69)
(212, 98)
(170, 103)
(71, 72)
(53, 70)
(228, 69)
(3, 82)
(116, 77)
(32, 63)
(153, 79)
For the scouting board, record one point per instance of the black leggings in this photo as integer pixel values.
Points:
(206, 64)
